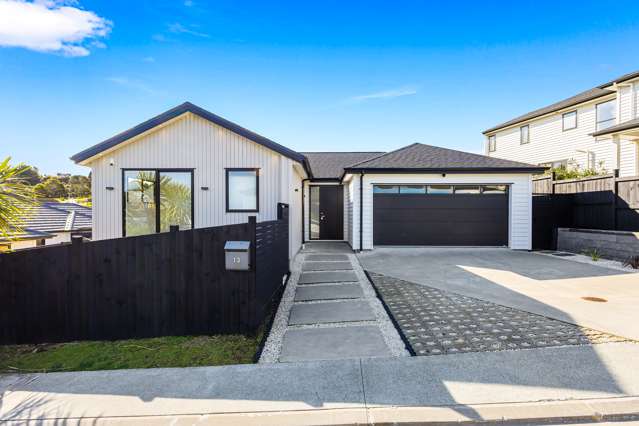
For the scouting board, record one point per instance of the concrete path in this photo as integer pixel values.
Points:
(565, 383)
(545, 285)
(330, 311)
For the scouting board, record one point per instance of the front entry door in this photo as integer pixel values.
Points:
(327, 212)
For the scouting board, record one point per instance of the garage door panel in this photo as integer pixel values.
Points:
(449, 220)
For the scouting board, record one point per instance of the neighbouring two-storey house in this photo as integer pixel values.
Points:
(596, 129)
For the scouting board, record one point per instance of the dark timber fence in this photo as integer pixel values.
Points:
(599, 202)
(171, 283)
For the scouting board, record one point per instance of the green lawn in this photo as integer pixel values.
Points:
(182, 351)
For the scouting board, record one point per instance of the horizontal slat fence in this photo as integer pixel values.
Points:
(598, 202)
(171, 283)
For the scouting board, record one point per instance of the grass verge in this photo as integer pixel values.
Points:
(172, 351)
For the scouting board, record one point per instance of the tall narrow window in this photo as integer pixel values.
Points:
(569, 120)
(154, 200)
(492, 143)
(314, 229)
(524, 134)
(175, 200)
(606, 115)
(242, 190)
(139, 198)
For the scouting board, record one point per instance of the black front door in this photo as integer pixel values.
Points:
(327, 212)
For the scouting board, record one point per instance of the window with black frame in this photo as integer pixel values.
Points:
(242, 190)
(156, 199)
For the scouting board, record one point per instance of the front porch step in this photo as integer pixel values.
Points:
(327, 277)
(326, 266)
(328, 292)
(333, 343)
(326, 257)
(330, 312)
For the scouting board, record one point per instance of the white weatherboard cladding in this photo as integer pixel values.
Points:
(190, 142)
(295, 212)
(549, 142)
(348, 211)
(520, 202)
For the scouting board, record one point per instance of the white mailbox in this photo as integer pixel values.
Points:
(237, 254)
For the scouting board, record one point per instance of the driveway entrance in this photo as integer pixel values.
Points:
(544, 285)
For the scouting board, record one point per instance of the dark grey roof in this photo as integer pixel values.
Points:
(420, 157)
(330, 165)
(588, 95)
(175, 112)
(627, 125)
(51, 216)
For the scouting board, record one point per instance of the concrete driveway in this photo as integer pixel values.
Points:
(544, 285)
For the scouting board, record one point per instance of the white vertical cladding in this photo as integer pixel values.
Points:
(295, 211)
(354, 189)
(348, 209)
(520, 199)
(549, 142)
(187, 142)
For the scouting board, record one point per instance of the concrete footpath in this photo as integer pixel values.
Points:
(584, 383)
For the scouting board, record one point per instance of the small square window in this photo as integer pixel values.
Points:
(492, 143)
(385, 189)
(412, 189)
(524, 134)
(242, 190)
(494, 189)
(467, 189)
(569, 120)
(440, 189)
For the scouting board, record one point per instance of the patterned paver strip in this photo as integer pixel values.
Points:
(438, 322)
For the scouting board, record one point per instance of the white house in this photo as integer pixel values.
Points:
(193, 168)
(596, 129)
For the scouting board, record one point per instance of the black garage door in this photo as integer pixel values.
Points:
(440, 215)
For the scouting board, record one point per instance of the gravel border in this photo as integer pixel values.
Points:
(580, 258)
(273, 345)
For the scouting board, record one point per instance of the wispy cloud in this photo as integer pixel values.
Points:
(133, 84)
(188, 3)
(149, 59)
(52, 26)
(177, 28)
(385, 94)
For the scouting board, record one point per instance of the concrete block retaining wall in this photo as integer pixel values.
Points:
(616, 245)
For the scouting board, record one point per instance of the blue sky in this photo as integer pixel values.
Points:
(342, 76)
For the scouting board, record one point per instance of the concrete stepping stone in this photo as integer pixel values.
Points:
(327, 277)
(326, 266)
(329, 312)
(326, 257)
(327, 292)
(333, 343)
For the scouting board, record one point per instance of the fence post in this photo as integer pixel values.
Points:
(252, 225)
(552, 182)
(615, 189)
(76, 239)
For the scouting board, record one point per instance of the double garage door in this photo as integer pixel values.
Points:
(440, 215)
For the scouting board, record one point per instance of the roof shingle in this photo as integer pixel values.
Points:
(427, 157)
(330, 165)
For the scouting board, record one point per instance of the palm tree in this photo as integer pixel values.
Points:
(15, 197)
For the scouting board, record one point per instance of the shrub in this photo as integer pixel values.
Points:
(593, 253)
(632, 261)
